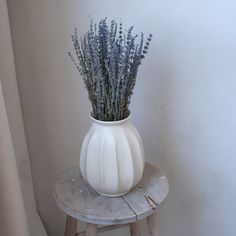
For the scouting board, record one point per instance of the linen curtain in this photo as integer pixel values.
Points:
(18, 213)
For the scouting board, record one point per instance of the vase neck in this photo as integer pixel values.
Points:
(110, 123)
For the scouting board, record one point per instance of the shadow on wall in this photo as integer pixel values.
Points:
(174, 154)
(167, 141)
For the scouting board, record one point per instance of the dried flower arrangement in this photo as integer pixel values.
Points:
(108, 60)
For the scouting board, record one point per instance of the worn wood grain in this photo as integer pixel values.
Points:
(154, 185)
(121, 212)
(71, 225)
(105, 229)
(77, 199)
(91, 230)
(152, 223)
(135, 229)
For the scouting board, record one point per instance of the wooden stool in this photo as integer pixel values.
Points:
(80, 202)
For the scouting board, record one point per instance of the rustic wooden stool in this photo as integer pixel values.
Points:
(80, 202)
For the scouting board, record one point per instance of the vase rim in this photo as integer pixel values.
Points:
(109, 123)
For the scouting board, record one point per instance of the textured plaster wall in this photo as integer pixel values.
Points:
(183, 106)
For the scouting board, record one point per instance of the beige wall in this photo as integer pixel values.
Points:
(184, 102)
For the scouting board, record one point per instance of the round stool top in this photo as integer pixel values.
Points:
(76, 198)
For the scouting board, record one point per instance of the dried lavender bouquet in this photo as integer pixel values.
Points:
(108, 60)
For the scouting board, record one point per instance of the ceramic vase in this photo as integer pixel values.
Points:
(112, 157)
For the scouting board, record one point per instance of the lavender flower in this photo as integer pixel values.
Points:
(108, 60)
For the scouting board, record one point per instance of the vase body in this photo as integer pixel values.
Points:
(112, 157)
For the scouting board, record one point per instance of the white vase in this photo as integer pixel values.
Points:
(112, 157)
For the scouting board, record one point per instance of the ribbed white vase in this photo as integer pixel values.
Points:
(112, 157)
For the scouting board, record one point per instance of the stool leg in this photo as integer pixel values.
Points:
(135, 229)
(71, 224)
(91, 230)
(152, 223)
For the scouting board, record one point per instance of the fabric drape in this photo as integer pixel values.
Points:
(13, 219)
(18, 213)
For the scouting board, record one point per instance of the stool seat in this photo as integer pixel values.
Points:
(78, 200)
